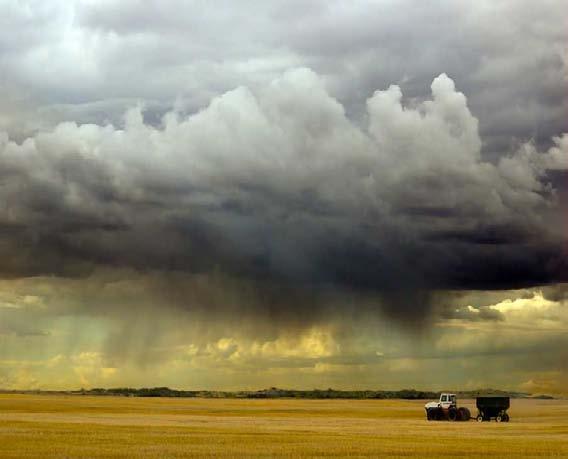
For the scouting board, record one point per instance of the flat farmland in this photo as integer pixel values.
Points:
(64, 426)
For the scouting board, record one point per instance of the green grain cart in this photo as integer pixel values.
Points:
(492, 408)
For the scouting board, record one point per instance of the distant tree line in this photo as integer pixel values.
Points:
(273, 392)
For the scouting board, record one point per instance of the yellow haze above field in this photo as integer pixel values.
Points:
(121, 328)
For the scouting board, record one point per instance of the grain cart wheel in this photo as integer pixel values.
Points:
(505, 417)
(452, 414)
(480, 418)
(498, 418)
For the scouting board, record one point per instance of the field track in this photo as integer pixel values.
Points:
(61, 426)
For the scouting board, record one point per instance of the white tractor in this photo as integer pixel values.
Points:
(446, 409)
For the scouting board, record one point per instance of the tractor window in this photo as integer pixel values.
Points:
(444, 398)
(453, 398)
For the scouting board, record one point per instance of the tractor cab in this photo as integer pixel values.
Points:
(447, 400)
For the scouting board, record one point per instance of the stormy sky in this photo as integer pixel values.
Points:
(226, 195)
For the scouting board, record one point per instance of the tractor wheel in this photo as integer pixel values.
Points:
(452, 414)
(429, 415)
(463, 414)
(505, 417)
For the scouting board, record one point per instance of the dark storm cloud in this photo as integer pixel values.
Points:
(279, 186)
(278, 181)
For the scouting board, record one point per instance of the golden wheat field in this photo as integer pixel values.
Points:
(62, 426)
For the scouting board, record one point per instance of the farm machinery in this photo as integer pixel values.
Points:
(446, 409)
(487, 408)
(492, 408)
